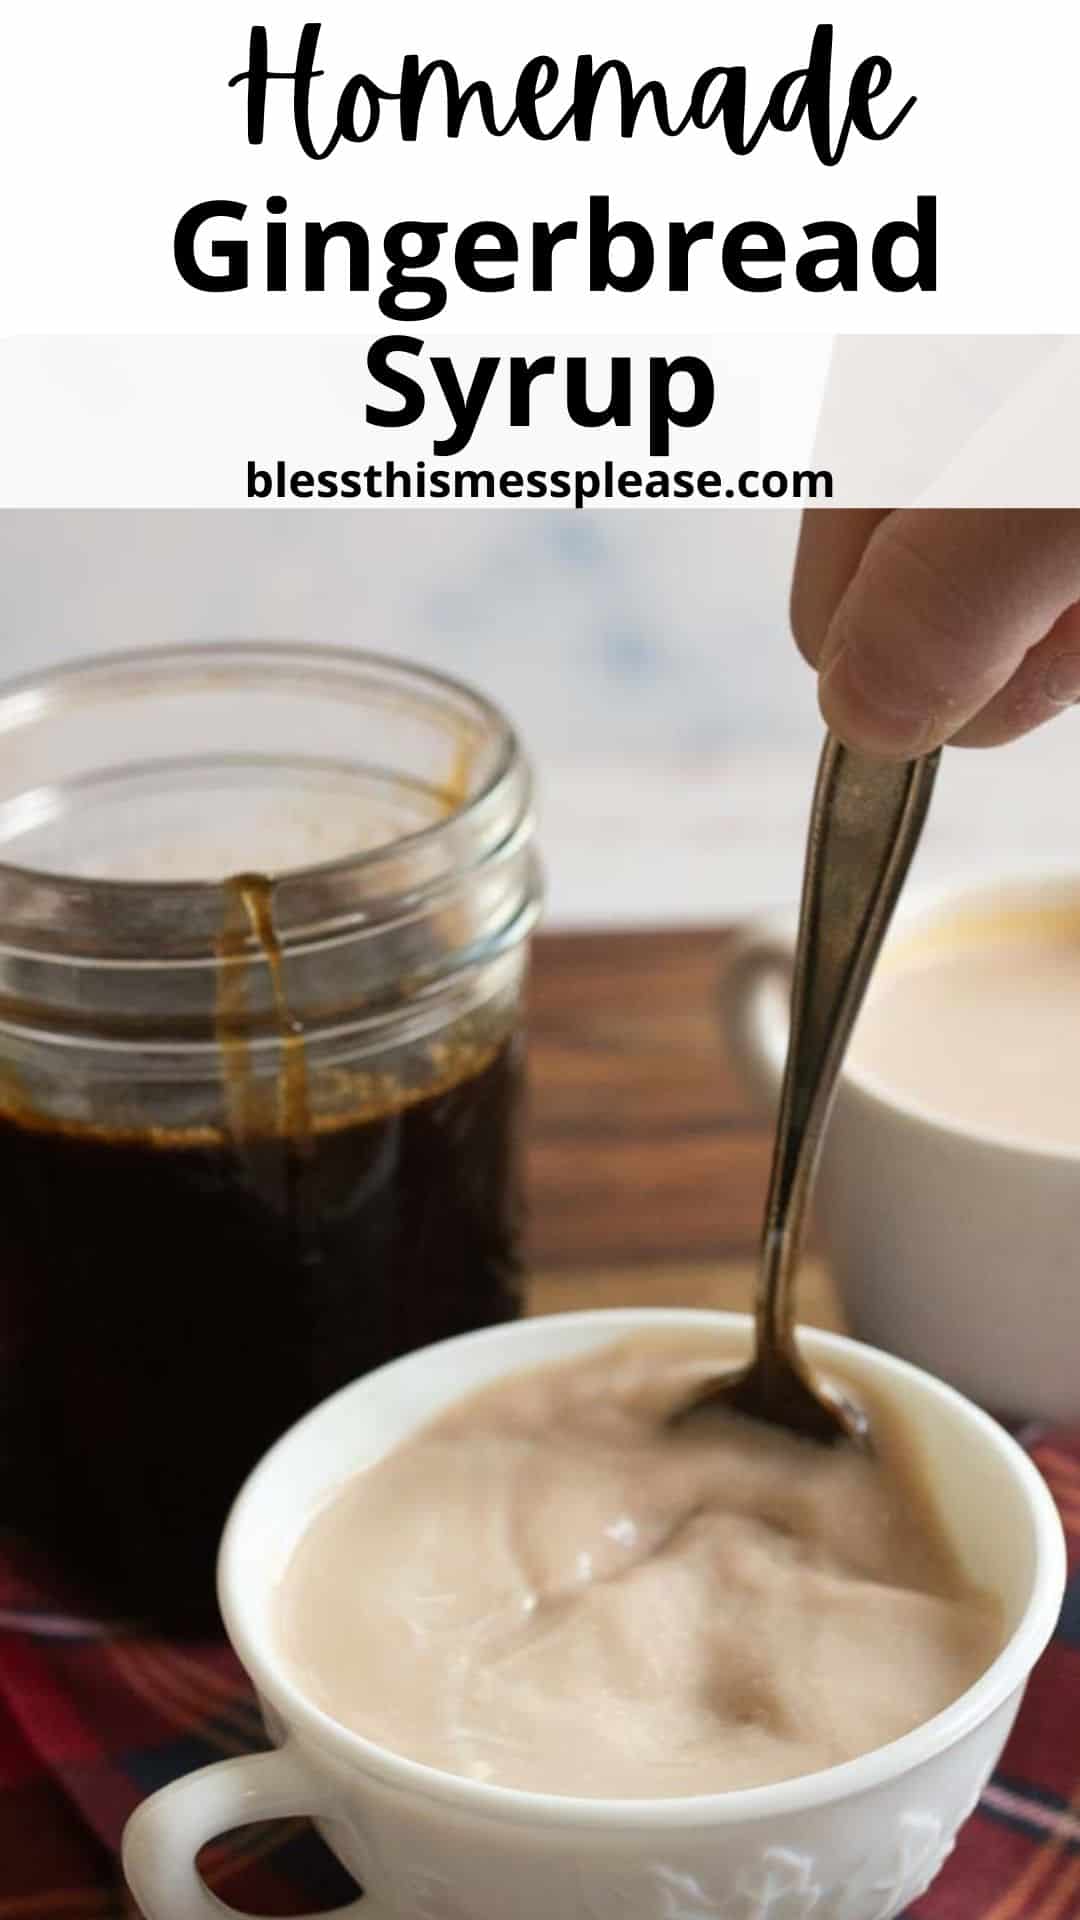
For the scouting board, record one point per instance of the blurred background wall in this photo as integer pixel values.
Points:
(644, 656)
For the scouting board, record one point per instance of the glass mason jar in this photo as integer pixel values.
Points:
(264, 921)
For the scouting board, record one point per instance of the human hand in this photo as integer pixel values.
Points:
(934, 625)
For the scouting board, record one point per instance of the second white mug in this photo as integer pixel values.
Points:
(954, 1248)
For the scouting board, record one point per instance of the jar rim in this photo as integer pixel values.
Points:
(68, 677)
(453, 883)
(51, 914)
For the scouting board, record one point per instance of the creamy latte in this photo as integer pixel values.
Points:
(549, 1589)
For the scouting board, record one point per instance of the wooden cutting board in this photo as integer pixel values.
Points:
(646, 1165)
(728, 1285)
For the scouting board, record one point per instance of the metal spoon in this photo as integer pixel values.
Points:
(865, 825)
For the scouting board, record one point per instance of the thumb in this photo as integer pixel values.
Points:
(941, 612)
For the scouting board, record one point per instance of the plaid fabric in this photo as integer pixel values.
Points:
(93, 1717)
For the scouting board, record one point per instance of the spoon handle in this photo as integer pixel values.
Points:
(865, 824)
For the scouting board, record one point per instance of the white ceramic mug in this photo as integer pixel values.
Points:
(957, 1249)
(856, 1842)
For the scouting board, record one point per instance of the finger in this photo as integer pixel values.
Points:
(1045, 683)
(943, 608)
(831, 544)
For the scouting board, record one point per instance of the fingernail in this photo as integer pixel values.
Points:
(1061, 684)
(868, 717)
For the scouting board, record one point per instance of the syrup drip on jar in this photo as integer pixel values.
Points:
(249, 921)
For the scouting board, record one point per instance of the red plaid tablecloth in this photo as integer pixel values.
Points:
(94, 1717)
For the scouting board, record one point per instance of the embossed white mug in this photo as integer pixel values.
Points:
(951, 1246)
(855, 1842)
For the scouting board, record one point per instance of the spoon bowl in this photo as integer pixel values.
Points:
(810, 1408)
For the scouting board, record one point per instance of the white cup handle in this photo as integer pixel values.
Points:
(755, 992)
(163, 1836)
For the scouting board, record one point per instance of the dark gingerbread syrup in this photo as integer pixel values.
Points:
(174, 1300)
